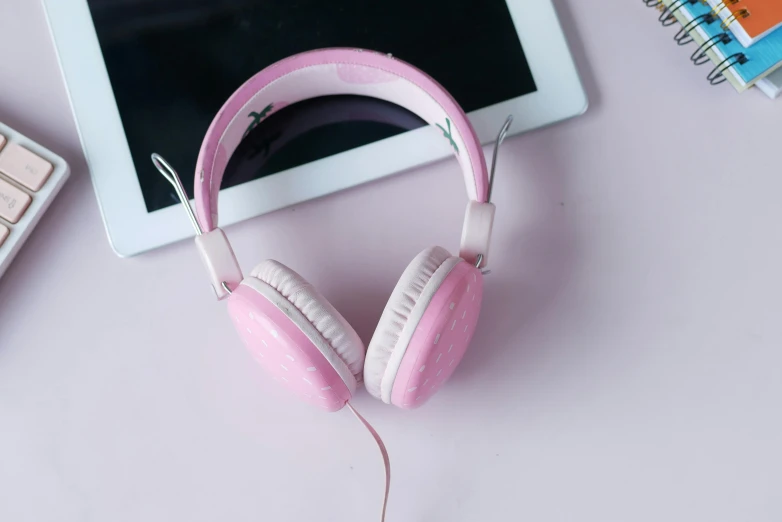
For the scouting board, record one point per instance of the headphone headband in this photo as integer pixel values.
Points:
(327, 72)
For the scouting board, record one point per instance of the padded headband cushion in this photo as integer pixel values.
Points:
(324, 317)
(329, 72)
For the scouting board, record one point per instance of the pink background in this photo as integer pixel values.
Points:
(627, 365)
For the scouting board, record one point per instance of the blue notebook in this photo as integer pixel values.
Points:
(731, 61)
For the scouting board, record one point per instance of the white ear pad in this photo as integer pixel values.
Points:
(324, 317)
(407, 304)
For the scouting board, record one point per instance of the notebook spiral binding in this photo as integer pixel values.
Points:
(740, 13)
(684, 36)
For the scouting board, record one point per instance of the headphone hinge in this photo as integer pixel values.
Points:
(476, 233)
(220, 262)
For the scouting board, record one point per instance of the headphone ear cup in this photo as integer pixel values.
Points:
(330, 324)
(296, 335)
(424, 330)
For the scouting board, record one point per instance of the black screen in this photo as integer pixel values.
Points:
(173, 63)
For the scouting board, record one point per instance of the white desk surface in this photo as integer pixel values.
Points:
(628, 365)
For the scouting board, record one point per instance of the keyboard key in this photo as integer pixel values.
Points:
(19, 204)
(13, 202)
(23, 166)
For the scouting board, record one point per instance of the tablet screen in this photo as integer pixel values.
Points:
(173, 63)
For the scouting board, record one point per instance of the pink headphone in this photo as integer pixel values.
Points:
(291, 329)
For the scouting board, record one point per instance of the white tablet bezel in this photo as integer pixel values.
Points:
(132, 230)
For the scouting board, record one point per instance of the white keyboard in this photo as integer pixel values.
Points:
(30, 178)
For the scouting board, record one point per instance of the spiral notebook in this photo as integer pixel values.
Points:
(771, 85)
(749, 20)
(742, 66)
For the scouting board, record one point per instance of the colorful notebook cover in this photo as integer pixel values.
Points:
(740, 65)
(749, 20)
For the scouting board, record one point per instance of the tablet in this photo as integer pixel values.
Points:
(149, 75)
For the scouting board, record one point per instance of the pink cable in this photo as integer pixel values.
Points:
(383, 451)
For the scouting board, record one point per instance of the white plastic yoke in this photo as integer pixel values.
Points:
(476, 233)
(220, 261)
